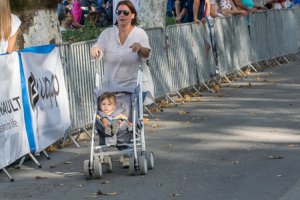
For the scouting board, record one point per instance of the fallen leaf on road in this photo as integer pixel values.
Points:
(187, 97)
(235, 162)
(182, 112)
(99, 192)
(261, 79)
(41, 177)
(52, 166)
(146, 120)
(52, 148)
(106, 182)
(155, 126)
(175, 195)
(275, 157)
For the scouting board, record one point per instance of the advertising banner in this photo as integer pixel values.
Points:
(13, 137)
(46, 94)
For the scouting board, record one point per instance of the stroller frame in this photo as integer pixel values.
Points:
(140, 160)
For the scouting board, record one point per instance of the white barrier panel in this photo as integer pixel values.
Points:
(13, 138)
(290, 29)
(46, 92)
(259, 36)
(297, 24)
(242, 41)
(204, 62)
(225, 44)
(180, 56)
(275, 33)
(158, 62)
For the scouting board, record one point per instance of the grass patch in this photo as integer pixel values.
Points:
(89, 32)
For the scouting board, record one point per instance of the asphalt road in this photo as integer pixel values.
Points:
(242, 144)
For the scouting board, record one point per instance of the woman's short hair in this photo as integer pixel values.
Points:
(129, 4)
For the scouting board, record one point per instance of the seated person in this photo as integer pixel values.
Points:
(214, 9)
(77, 13)
(277, 4)
(65, 19)
(260, 4)
(93, 5)
(111, 122)
(228, 8)
(247, 5)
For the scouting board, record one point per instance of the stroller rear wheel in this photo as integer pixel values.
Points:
(95, 172)
(132, 168)
(98, 172)
(143, 166)
(107, 164)
(150, 159)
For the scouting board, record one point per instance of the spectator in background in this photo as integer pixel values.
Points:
(277, 4)
(181, 10)
(170, 8)
(193, 10)
(178, 7)
(214, 9)
(9, 26)
(68, 5)
(247, 5)
(228, 8)
(93, 5)
(77, 13)
(201, 9)
(260, 4)
(65, 19)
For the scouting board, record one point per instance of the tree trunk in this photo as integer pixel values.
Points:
(152, 13)
(40, 25)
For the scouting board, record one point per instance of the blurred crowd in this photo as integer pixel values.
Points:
(197, 10)
(75, 13)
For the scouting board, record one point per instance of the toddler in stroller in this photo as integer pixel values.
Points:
(111, 122)
(112, 125)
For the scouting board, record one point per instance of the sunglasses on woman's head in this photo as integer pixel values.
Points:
(125, 12)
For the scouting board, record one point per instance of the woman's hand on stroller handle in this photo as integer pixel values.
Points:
(135, 47)
(96, 52)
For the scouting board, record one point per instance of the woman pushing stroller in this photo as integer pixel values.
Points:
(121, 46)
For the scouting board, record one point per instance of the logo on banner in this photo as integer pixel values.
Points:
(44, 89)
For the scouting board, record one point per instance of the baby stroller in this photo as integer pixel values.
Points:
(130, 143)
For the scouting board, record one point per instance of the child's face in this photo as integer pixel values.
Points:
(107, 107)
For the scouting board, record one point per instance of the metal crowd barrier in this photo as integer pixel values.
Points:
(158, 62)
(204, 62)
(297, 26)
(225, 43)
(178, 55)
(289, 37)
(242, 41)
(275, 33)
(259, 37)
(80, 71)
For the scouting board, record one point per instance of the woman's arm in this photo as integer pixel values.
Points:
(11, 43)
(196, 10)
(142, 51)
